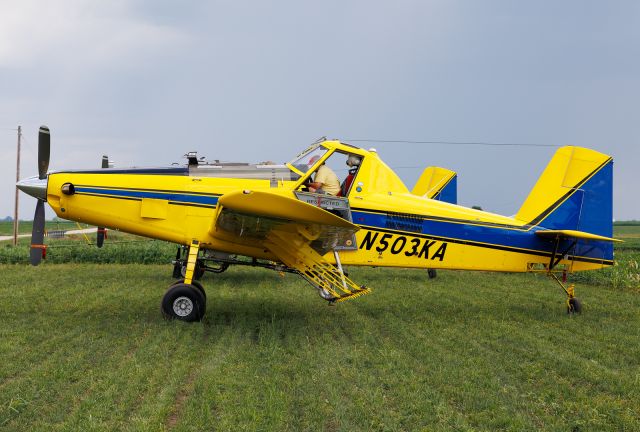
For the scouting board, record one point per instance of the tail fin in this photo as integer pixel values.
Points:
(439, 184)
(575, 192)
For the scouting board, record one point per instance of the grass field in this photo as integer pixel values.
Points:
(83, 347)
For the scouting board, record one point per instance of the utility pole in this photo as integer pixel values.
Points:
(15, 209)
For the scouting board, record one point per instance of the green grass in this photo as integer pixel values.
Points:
(83, 347)
(624, 274)
(118, 248)
(630, 234)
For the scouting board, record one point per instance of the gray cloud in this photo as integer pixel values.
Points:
(147, 81)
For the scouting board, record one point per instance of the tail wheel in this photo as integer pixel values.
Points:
(574, 306)
(432, 273)
(183, 302)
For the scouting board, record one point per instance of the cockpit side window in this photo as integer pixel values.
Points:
(340, 164)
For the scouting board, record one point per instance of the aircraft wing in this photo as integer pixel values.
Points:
(296, 232)
(574, 234)
(252, 215)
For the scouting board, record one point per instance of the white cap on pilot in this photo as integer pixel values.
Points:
(353, 160)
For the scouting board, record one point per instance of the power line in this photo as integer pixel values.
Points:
(477, 143)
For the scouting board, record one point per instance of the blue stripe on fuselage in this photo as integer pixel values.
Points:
(209, 200)
(489, 235)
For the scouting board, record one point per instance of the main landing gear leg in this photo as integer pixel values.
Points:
(573, 303)
(185, 300)
(180, 266)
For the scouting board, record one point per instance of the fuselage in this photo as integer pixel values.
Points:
(397, 228)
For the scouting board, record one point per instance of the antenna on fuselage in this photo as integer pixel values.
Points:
(192, 158)
(106, 163)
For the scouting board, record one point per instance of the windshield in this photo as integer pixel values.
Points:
(308, 158)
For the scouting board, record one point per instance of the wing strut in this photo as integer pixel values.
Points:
(191, 261)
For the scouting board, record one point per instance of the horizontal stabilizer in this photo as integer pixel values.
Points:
(574, 234)
(437, 183)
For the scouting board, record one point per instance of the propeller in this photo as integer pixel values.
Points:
(102, 231)
(38, 249)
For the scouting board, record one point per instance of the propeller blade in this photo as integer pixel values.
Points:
(37, 235)
(44, 151)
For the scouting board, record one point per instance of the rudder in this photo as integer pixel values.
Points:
(575, 192)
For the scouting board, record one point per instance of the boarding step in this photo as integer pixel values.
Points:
(294, 251)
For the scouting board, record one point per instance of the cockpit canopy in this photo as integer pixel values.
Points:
(304, 162)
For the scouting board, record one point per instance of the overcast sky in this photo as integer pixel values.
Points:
(147, 81)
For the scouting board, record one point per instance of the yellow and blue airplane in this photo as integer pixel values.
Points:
(264, 215)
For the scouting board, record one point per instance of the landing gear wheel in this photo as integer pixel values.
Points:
(197, 273)
(196, 284)
(183, 302)
(574, 306)
(432, 273)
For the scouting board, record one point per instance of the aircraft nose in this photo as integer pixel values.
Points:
(34, 186)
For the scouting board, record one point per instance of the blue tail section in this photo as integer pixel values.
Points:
(575, 193)
(437, 183)
(589, 207)
(449, 193)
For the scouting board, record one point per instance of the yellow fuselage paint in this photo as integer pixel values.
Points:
(181, 208)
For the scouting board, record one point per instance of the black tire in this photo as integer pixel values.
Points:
(575, 306)
(196, 284)
(183, 302)
(202, 291)
(432, 273)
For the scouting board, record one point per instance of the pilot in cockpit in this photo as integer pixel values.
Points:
(325, 180)
(353, 162)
